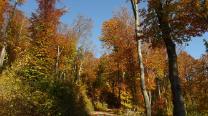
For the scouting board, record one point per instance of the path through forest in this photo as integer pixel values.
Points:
(101, 113)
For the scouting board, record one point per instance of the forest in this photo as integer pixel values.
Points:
(48, 69)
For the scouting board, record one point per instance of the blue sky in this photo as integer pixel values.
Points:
(99, 11)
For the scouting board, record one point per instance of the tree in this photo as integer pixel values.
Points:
(44, 37)
(80, 31)
(9, 9)
(18, 38)
(147, 99)
(76, 36)
(186, 70)
(118, 36)
(169, 22)
(48, 65)
(193, 73)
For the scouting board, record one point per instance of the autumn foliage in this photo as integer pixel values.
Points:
(49, 68)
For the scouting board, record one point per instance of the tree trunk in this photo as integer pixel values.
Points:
(158, 87)
(135, 7)
(143, 85)
(2, 56)
(79, 72)
(179, 109)
(57, 60)
(119, 85)
(177, 99)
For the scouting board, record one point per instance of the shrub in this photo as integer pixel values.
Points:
(42, 97)
(101, 106)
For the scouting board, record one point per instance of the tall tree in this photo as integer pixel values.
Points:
(44, 38)
(147, 99)
(118, 36)
(80, 30)
(168, 22)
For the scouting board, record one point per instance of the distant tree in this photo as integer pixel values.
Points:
(193, 73)
(80, 30)
(118, 36)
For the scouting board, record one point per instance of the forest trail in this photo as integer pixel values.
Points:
(102, 113)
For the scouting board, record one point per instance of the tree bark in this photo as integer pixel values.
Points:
(179, 109)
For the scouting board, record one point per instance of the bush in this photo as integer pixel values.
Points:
(20, 97)
(72, 100)
(17, 98)
(101, 106)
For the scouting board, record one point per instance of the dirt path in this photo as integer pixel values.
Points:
(100, 113)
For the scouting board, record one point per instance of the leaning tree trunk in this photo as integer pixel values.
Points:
(179, 109)
(177, 98)
(135, 7)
